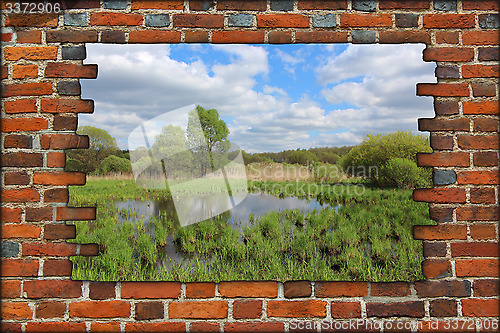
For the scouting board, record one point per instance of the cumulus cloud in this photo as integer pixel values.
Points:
(139, 82)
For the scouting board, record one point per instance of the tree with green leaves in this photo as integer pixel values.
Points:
(207, 136)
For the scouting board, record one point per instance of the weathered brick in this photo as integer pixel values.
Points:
(67, 105)
(16, 311)
(444, 159)
(434, 249)
(443, 308)
(9, 249)
(115, 4)
(477, 213)
(447, 72)
(254, 327)
(157, 20)
(341, 289)
(64, 141)
(485, 158)
(478, 177)
(55, 69)
(445, 5)
(57, 267)
(393, 289)
(484, 195)
(441, 142)
(295, 289)
(75, 213)
(489, 21)
(56, 160)
(402, 37)
(198, 21)
(18, 141)
(281, 5)
(445, 21)
(59, 231)
(320, 37)
(486, 288)
(477, 267)
(109, 326)
(154, 36)
(279, 37)
(19, 267)
(69, 88)
(363, 37)
(20, 195)
(471, 71)
(296, 309)
(202, 5)
(203, 326)
(56, 195)
(38, 214)
(10, 215)
(365, 20)
(99, 309)
(447, 37)
(476, 249)
(478, 141)
(439, 232)
(32, 20)
(434, 125)
(483, 89)
(444, 177)
(406, 20)
(443, 89)
(480, 38)
(282, 21)
(257, 5)
(364, 5)
(155, 327)
(29, 36)
(324, 21)
(198, 309)
(10, 288)
(22, 159)
(345, 309)
(153, 4)
(49, 249)
(148, 290)
(59, 178)
(149, 310)
(50, 309)
(16, 178)
(248, 289)
(113, 36)
(446, 107)
(20, 231)
(27, 89)
(200, 289)
(102, 290)
(80, 4)
(114, 19)
(73, 36)
(436, 268)
(52, 326)
(480, 307)
(448, 54)
(25, 72)
(482, 107)
(240, 20)
(74, 53)
(252, 37)
(76, 19)
(247, 309)
(53, 288)
(400, 309)
(449, 288)
(398, 4)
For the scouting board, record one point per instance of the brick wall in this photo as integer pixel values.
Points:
(41, 64)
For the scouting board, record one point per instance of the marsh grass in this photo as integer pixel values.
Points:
(368, 238)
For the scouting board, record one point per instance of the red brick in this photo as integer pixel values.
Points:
(440, 232)
(53, 288)
(402, 37)
(55, 327)
(446, 107)
(152, 4)
(486, 288)
(477, 213)
(345, 309)
(478, 177)
(434, 125)
(38, 214)
(320, 37)
(394, 289)
(10, 215)
(65, 123)
(59, 231)
(196, 36)
(235, 36)
(200, 289)
(21, 106)
(11, 288)
(448, 54)
(16, 178)
(443, 308)
(116, 37)
(32, 20)
(64, 141)
(59, 178)
(446, 37)
(102, 290)
(282, 21)
(198, 309)
(445, 21)
(365, 20)
(321, 4)
(71, 36)
(480, 37)
(398, 4)
(56, 195)
(151, 289)
(149, 310)
(29, 36)
(267, 289)
(296, 309)
(50, 309)
(477, 267)
(400, 309)
(67, 105)
(434, 249)
(440, 195)
(341, 289)
(27, 89)
(154, 36)
(204, 327)
(443, 89)
(20, 231)
(441, 142)
(24, 124)
(484, 195)
(31, 53)
(483, 231)
(16, 311)
(198, 20)
(75, 213)
(115, 19)
(458, 159)
(488, 158)
(472, 71)
(436, 268)
(99, 309)
(20, 195)
(247, 309)
(156, 327)
(49, 249)
(483, 107)
(485, 125)
(4, 72)
(254, 327)
(25, 71)
(6, 37)
(56, 160)
(480, 307)
(56, 69)
(279, 37)
(295, 289)
(257, 5)
(476, 249)
(19, 267)
(57, 267)
(112, 326)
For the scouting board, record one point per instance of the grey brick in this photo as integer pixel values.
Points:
(69, 88)
(10, 249)
(324, 21)
(365, 5)
(74, 52)
(284, 5)
(240, 20)
(406, 20)
(115, 4)
(157, 20)
(444, 177)
(445, 5)
(363, 37)
(447, 72)
(75, 19)
(489, 21)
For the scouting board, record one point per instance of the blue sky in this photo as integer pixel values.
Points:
(273, 97)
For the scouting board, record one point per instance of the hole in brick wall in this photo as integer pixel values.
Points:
(327, 133)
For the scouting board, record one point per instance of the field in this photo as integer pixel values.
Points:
(369, 237)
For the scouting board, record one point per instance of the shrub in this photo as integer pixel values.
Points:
(114, 163)
(302, 157)
(403, 173)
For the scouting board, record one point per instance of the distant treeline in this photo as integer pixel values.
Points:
(329, 155)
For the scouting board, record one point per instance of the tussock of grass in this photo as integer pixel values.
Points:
(369, 238)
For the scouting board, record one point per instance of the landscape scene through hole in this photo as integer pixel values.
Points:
(252, 162)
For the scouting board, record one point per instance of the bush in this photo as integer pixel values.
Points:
(404, 173)
(114, 163)
(75, 165)
(302, 157)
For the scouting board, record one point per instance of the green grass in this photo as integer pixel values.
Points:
(369, 238)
